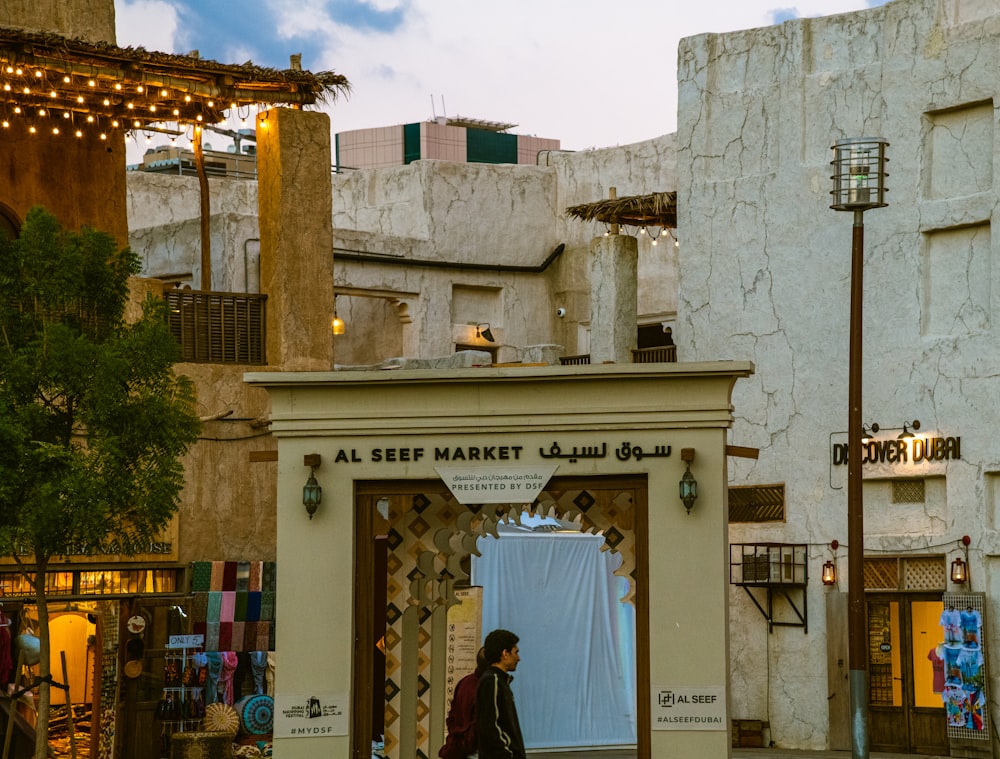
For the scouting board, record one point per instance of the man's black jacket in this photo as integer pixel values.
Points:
(496, 715)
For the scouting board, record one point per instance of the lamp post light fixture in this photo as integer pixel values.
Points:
(688, 484)
(312, 493)
(858, 185)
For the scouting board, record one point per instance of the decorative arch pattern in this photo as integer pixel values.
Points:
(429, 537)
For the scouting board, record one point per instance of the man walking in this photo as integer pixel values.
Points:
(496, 715)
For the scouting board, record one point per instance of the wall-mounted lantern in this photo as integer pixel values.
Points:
(312, 493)
(960, 567)
(688, 484)
(959, 572)
(829, 573)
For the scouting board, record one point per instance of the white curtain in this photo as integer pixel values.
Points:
(575, 685)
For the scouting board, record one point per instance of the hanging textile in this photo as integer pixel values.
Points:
(575, 685)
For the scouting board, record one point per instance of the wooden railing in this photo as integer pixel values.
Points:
(663, 354)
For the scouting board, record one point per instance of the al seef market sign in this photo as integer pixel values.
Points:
(915, 450)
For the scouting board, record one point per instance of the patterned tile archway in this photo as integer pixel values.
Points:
(429, 537)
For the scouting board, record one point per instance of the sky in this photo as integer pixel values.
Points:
(589, 73)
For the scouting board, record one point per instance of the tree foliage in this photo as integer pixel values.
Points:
(93, 419)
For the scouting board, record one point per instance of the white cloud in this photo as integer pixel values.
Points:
(585, 73)
(152, 24)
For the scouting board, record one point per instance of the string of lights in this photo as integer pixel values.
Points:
(77, 89)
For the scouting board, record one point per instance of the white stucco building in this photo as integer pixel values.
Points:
(426, 252)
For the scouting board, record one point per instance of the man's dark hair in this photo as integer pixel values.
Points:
(496, 643)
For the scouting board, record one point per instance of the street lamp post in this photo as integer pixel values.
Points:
(858, 185)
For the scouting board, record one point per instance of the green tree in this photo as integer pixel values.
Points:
(93, 419)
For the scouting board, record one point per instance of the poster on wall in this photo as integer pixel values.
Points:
(963, 665)
(465, 635)
(308, 715)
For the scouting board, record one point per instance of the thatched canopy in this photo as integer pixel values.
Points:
(658, 209)
(47, 79)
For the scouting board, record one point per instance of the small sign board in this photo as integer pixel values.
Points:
(496, 484)
(310, 715)
(185, 641)
(689, 708)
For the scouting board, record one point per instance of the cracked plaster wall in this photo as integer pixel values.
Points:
(765, 274)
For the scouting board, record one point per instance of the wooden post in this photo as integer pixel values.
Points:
(69, 707)
(613, 194)
(206, 215)
(13, 706)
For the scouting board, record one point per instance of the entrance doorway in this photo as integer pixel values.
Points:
(401, 635)
(906, 674)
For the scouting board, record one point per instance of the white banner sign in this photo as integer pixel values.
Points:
(496, 484)
(689, 708)
(304, 716)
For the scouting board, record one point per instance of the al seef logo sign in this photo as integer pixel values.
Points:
(689, 708)
(915, 450)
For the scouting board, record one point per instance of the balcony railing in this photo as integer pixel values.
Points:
(218, 328)
(661, 354)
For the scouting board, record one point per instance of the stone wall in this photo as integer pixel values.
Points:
(91, 20)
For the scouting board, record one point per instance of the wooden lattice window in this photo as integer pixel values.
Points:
(218, 328)
(757, 503)
(924, 573)
(907, 491)
(881, 574)
(905, 573)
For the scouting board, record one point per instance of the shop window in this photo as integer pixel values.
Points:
(908, 491)
(757, 503)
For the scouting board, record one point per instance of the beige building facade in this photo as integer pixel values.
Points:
(383, 443)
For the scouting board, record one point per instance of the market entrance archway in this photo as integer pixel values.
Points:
(584, 423)
(403, 595)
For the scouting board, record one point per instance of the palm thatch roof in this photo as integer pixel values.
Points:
(658, 209)
(46, 75)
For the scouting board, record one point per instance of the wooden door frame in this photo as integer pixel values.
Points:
(365, 493)
(908, 706)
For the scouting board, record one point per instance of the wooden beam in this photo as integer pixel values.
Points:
(742, 451)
